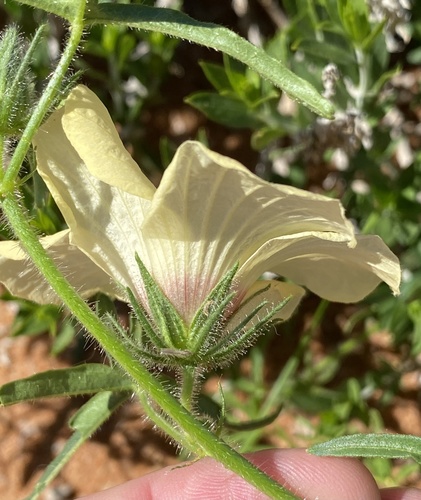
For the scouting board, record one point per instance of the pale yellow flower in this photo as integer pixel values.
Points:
(208, 213)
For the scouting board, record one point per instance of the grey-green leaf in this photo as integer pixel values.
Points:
(175, 23)
(68, 9)
(85, 422)
(371, 445)
(224, 109)
(327, 51)
(84, 379)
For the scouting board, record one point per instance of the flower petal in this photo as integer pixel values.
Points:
(22, 279)
(104, 220)
(89, 128)
(209, 212)
(330, 269)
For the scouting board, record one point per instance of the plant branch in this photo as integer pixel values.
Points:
(8, 183)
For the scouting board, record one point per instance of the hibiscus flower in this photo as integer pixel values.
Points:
(209, 217)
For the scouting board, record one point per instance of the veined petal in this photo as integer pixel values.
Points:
(104, 220)
(89, 128)
(331, 269)
(209, 212)
(23, 280)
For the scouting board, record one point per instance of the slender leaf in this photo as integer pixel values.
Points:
(371, 445)
(354, 17)
(225, 109)
(175, 23)
(67, 9)
(83, 379)
(217, 75)
(64, 338)
(326, 51)
(253, 425)
(85, 422)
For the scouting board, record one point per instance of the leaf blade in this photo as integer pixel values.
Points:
(174, 23)
(85, 422)
(82, 379)
(371, 445)
(68, 9)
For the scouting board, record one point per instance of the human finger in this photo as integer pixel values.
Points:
(308, 476)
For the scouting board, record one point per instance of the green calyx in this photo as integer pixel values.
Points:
(210, 341)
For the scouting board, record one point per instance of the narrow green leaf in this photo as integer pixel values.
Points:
(371, 445)
(262, 137)
(64, 338)
(99, 408)
(85, 422)
(246, 84)
(217, 76)
(326, 51)
(68, 9)
(252, 425)
(83, 379)
(354, 17)
(279, 388)
(374, 33)
(227, 110)
(16, 79)
(177, 24)
(34, 319)
(384, 78)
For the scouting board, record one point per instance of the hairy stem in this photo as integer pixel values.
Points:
(8, 182)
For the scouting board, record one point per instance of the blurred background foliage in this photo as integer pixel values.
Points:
(333, 369)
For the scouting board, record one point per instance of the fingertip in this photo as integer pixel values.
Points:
(324, 478)
(308, 476)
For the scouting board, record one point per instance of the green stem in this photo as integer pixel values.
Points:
(362, 61)
(314, 21)
(2, 153)
(159, 419)
(47, 99)
(205, 443)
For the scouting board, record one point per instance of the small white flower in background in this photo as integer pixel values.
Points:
(330, 77)
(340, 159)
(133, 90)
(345, 134)
(168, 4)
(396, 13)
(360, 186)
(401, 129)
